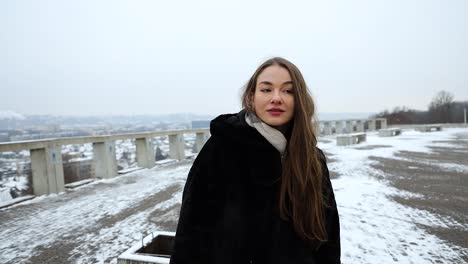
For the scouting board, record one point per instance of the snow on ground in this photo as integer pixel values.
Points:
(87, 219)
(376, 229)
(97, 222)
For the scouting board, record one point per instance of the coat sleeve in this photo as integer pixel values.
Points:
(202, 202)
(329, 251)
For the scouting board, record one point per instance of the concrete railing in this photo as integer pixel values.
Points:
(350, 139)
(350, 126)
(46, 156)
(443, 125)
(390, 132)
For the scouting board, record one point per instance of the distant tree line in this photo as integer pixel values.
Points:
(442, 109)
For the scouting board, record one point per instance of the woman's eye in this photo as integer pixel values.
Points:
(289, 91)
(265, 90)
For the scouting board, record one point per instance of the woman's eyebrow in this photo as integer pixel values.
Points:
(269, 83)
(265, 82)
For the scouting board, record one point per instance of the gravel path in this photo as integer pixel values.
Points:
(440, 177)
(403, 199)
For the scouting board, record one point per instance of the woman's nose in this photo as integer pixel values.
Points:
(276, 97)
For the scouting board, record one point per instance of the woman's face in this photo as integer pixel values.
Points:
(273, 99)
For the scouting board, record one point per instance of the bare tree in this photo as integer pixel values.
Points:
(440, 106)
(442, 109)
(441, 99)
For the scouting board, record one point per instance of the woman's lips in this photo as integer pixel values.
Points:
(275, 112)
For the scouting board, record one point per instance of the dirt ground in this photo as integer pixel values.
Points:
(442, 187)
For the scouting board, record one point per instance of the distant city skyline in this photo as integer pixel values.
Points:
(152, 57)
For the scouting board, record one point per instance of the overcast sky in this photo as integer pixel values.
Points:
(155, 57)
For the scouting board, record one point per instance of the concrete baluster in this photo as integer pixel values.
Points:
(145, 154)
(371, 123)
(105, 163)
(383, 123)
(319, 128)
(339, 127)
(177, 146)
(349, 126)
(201, 139)
(47, 170)
(359, 125)
(327, 128)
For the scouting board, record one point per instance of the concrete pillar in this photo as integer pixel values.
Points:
(327, 130)
(371, 123)
(359, 125)
(317, 128)
(145, 154)
(201, 139)
(349, 126)
(339, 127)
(320, 128)
(177, 147)
(105, 163)
(47, 170)
(383, 123)
(464, 115)
(343, 141)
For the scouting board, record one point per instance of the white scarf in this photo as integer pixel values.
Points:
(273, 135)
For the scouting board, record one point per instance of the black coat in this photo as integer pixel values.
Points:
(229, 211)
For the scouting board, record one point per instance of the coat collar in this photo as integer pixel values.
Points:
(234, 128)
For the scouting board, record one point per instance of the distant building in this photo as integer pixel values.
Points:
(54, 128)
(4, 137)
(201, 124)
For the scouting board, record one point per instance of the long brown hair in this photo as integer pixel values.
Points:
(301, 199)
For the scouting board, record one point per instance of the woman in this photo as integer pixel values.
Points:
(259, 191)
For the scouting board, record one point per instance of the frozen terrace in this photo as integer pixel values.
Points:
(401, 200)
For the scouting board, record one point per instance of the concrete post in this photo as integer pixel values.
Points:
(47, 170)
(464, 115)
(339, 127)
(105, 163)
(383, 123)
(327, 128)
(176, 147)
(201, 139)
(349, 126)
(145, 154)
(371, 124)
(359, 125)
